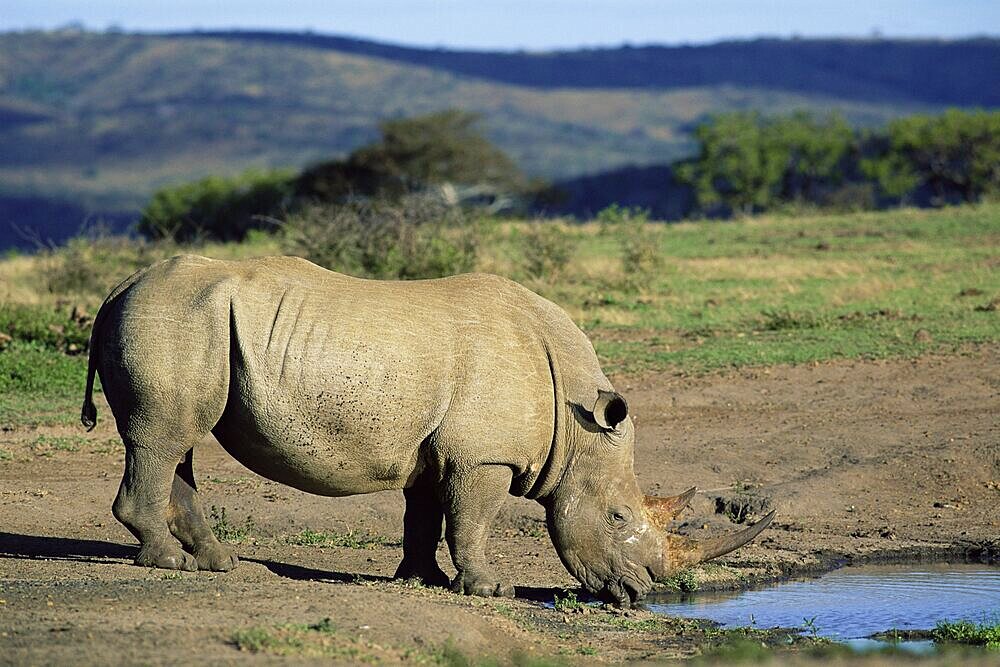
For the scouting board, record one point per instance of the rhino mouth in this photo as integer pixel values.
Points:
(626, 590)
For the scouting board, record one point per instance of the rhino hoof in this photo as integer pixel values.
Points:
(216, 557)
(485, 587)
(428, 575)
(167, 557)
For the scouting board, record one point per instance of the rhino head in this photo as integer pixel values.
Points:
(608, 534)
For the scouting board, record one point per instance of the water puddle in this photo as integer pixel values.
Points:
(852, 603)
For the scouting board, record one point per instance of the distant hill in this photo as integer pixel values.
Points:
(97, 121)
(947, 72)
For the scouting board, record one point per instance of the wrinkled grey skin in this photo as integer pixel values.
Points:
(457, 391)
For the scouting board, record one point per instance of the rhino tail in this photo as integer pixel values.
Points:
(88, 414)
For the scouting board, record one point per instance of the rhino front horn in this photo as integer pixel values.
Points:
(719, 546)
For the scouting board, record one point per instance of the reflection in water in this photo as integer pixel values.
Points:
(855, 602)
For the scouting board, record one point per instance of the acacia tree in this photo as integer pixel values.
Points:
(441, 147)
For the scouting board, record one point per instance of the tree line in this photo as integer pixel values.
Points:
(745, 163)
(748, 163)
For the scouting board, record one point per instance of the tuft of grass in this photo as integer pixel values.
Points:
(229, 532)
(6, 455)
(986, 633)
(348, 540)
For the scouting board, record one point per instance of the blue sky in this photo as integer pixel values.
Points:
(531, 24)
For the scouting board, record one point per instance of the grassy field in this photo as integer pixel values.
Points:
(757, 292)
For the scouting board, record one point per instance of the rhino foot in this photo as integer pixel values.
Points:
(429, 574)
(216, 557)
(482, 585)
(166, 556)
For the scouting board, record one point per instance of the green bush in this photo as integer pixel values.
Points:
(217, 207)
(416, 237)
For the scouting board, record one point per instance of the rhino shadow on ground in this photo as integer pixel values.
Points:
(300, 573)
(14, 545)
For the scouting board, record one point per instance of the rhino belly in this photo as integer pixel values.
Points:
(318, 455)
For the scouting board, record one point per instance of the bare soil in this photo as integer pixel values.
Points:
(864, 461)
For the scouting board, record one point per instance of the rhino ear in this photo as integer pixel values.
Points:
(610, 409)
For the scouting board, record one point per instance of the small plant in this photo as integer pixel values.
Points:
(227, 532)
(567, 604)
(809, 624)
(5, 455)
(548, 249)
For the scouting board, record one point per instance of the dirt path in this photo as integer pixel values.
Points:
(863, 460)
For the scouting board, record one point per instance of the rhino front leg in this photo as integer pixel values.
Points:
(422, 524)
(186, 519)
(472, 500)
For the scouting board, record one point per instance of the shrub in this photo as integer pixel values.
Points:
(416, 237)
(217, 207)
(548, 249)
(638, 237)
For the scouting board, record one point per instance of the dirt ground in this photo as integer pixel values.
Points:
(895, 460)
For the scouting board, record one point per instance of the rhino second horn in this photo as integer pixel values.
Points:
(719, 546)
(663, 509)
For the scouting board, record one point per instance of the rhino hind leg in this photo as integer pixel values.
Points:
(186, 520)
(422, 527)
(472, 500)
(142, 505)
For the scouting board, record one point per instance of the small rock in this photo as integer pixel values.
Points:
(922, 336)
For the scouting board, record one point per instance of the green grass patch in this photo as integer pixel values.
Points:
(48, 445)
(348, 540)
(40, 386)
(986, 633)
(314, 639)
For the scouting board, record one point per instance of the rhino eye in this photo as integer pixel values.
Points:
(618, 518)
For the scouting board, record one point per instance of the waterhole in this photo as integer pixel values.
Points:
(853, 603)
